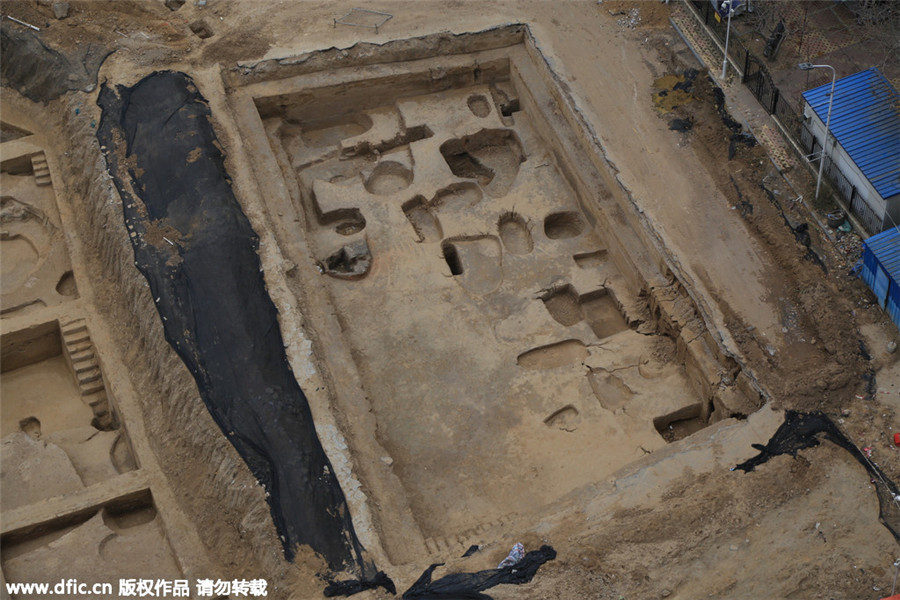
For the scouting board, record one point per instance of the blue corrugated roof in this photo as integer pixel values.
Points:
(865, 120)
(886, 248)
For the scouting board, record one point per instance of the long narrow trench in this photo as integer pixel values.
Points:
(198, 252)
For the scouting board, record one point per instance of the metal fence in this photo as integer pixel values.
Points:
(866, 215)
(791, 120)
(857, 203)
(704, 9)
(808, 141)
(839, 181)
(760, 83)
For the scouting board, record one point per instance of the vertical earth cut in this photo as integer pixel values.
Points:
(198, 253)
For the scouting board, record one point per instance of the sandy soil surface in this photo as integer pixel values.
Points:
(655, 519)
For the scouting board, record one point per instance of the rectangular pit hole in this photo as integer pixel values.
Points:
(121, 538)
(35, 270)
(451, 256)
(602, 313)
(9, 132)
(69, 440)
(37, 381)
(681, 423)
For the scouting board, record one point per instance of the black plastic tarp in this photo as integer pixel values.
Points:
(804, 430)
(471, 586)
(198, 252)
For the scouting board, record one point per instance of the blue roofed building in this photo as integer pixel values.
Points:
(881, 270)
(863, 155)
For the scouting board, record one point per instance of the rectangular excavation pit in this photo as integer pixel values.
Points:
(438, 324)
(37, 381)
(56, 417)
(9, 132)
(119, 538)
(35, 269)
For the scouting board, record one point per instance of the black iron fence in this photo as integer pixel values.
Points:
(756, 75)
(792, 121)
(841, 183)
(866, 215)
(736, 49)
(858, 206)
(760, 83)
(808, 141)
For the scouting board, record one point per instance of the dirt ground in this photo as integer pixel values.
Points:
(443, 437)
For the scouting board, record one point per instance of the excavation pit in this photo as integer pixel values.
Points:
(475, 376)
(56, 416)
(116, 538)
(34, 262)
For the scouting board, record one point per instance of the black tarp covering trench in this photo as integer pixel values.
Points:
(198, 252)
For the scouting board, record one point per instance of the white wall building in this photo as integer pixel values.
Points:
(863, 154)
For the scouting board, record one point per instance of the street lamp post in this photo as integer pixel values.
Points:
(809, 67)
(727, 3)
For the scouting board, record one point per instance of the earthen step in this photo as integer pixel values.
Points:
(79, 346)
(85, 357)
(97, 400)
(81, 354)
(74, 339)
(477, 534)
(73, 327)
(93, 388)
(81, 369)
(91, 375)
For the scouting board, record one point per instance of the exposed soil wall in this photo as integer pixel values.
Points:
(364, 53)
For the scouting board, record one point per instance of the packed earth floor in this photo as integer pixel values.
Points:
(295, 293)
